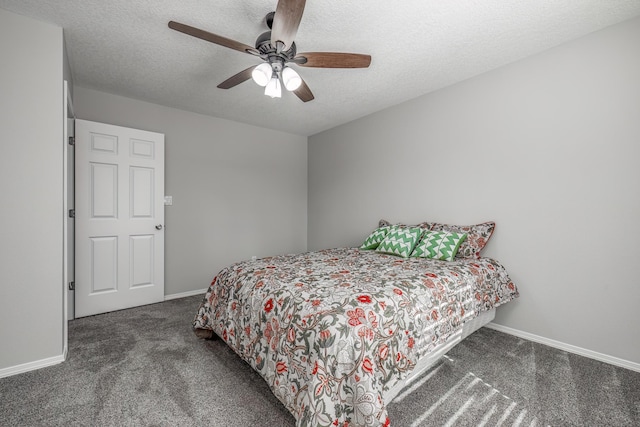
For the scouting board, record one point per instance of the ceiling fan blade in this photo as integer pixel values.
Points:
(303, 92)
(213, 38)
(236, 79)
(286, 22)
(333, 60)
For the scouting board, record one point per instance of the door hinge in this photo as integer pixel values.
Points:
(72, 140)
(72, 213)
(72, 286)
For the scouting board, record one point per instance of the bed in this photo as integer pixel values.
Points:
(337, 333)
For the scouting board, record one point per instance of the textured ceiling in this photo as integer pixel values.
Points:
(124, 47)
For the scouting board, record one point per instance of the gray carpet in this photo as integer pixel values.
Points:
(145, 367)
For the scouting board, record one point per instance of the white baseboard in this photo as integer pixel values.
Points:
(567, 347)
(186, 294)
(31, 366)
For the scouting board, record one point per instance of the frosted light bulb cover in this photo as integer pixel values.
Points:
(291, 79)
(262, 74)
(273, 88)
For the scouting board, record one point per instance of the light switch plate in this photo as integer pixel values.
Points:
(168, 200)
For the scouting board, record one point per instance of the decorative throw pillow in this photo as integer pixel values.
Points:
(477, 237)
(423, 225)
(375, 238)
(441, 245)
(400, 241)
(384, 223)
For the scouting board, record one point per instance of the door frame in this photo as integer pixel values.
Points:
(67, 191)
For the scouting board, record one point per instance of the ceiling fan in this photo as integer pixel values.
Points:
(277, 49)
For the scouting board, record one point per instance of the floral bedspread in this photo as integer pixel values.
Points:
(330, 330)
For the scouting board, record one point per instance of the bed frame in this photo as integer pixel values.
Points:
(426, 362)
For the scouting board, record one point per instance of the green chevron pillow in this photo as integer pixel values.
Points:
(477, 237)
(441, 245)
(375, 238)
(400, 241)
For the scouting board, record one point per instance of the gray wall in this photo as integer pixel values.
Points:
(548, 147)
(238, 190)
(66, 70)
(31, 289)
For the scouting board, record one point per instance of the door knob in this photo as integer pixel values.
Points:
(159, 227)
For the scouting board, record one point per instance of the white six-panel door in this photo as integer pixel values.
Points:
(119, 218)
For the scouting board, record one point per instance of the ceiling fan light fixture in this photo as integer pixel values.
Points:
(262, 74)
(273, 88)
(291, 79)
(276, 48)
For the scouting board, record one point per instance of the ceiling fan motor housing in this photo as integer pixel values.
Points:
(264, 46)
